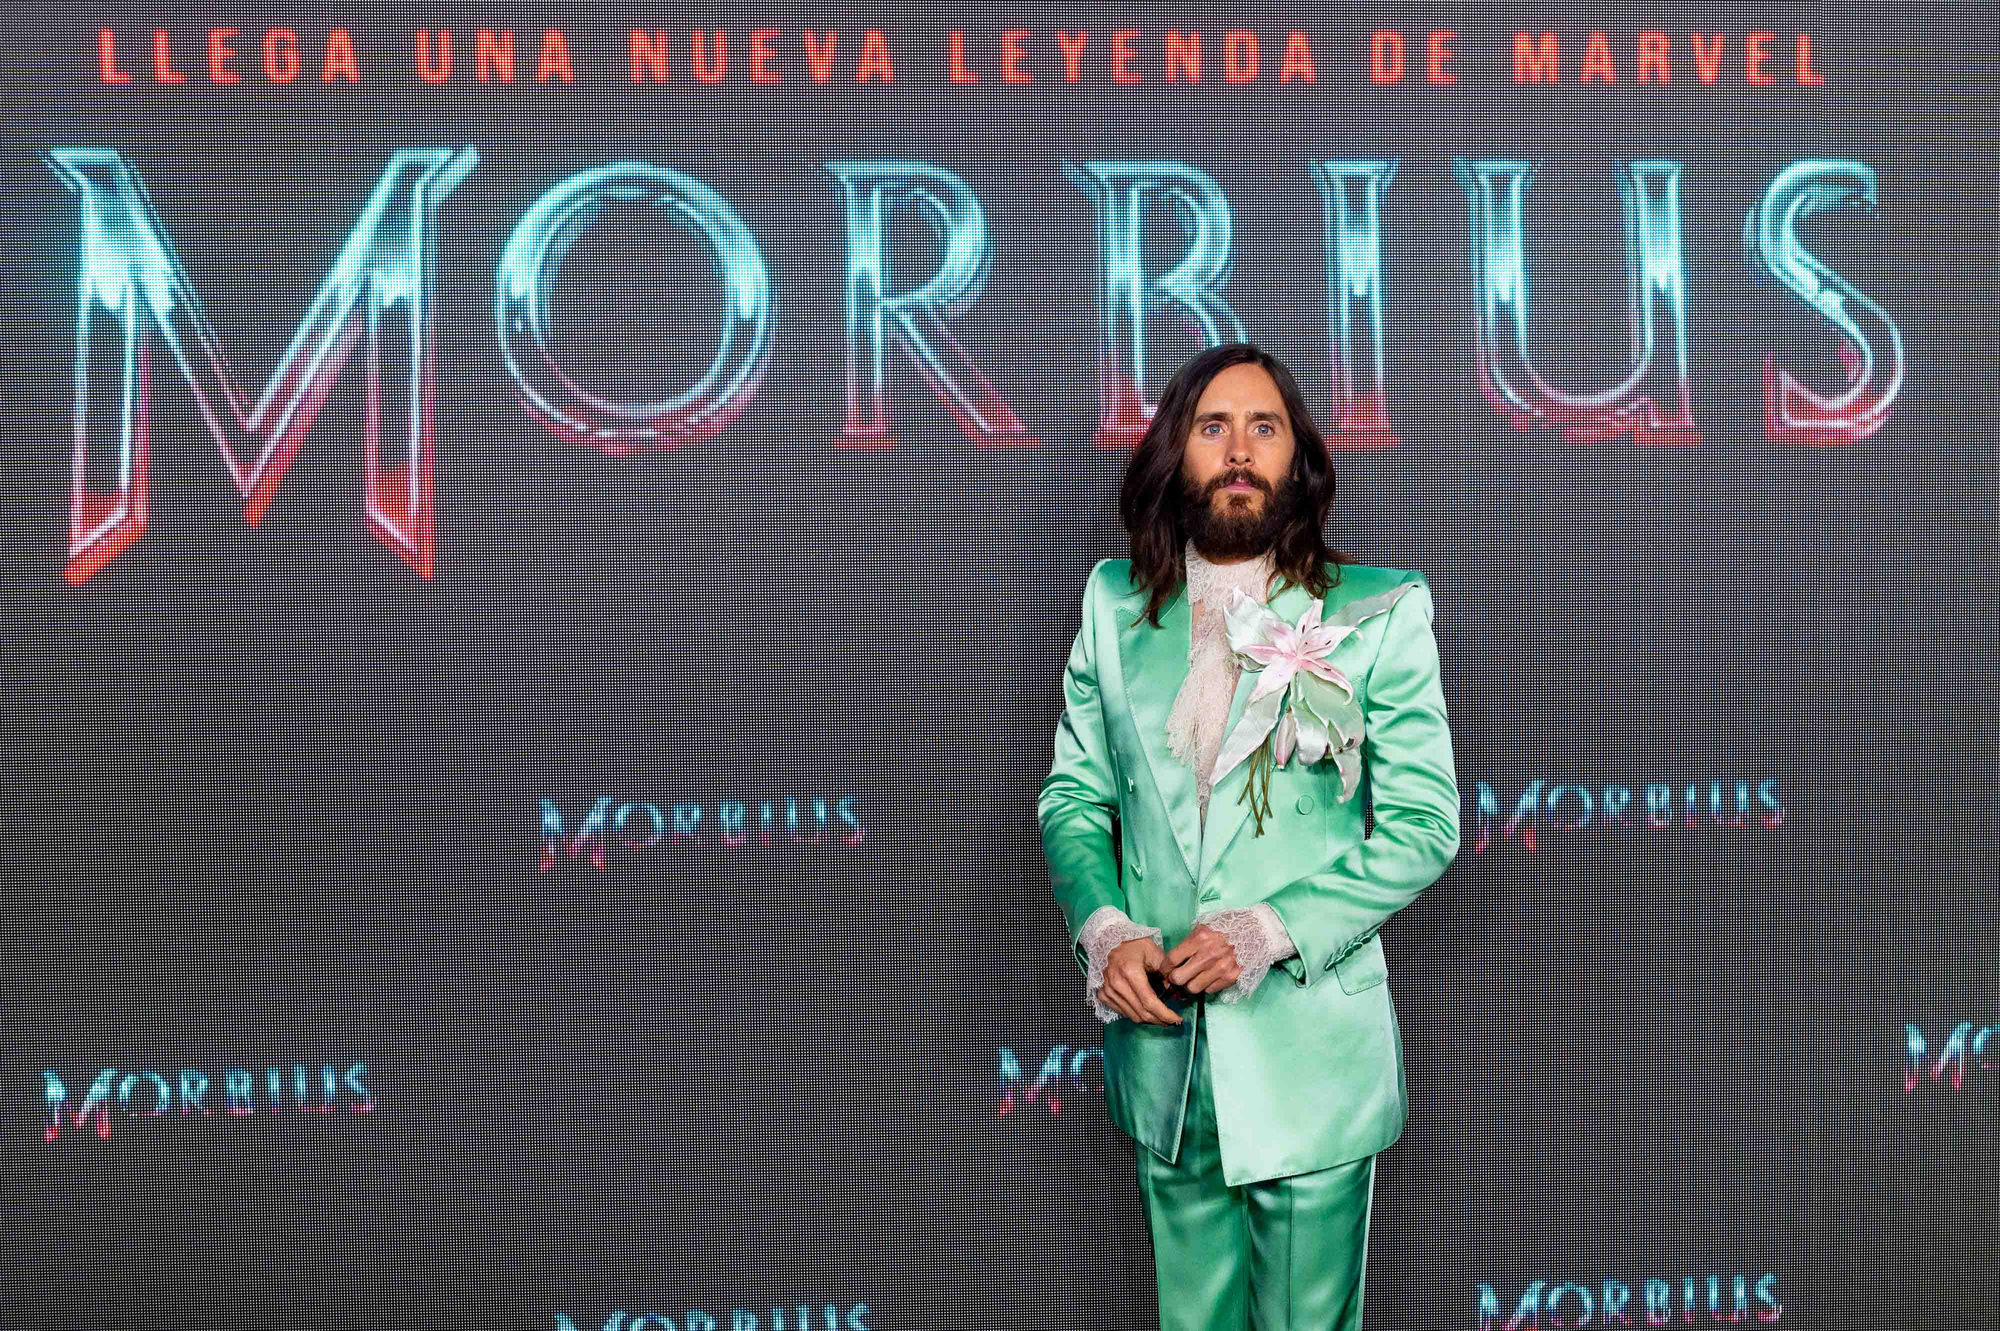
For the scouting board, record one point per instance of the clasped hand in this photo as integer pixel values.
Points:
(1202, 963)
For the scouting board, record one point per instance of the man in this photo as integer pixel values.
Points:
(1256, 1061)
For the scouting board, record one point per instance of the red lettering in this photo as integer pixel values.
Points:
(874, 62)
(1756, 51)
(1653, 49)
(1536, 58)
(107, 59)
(1297, 61)
(554, 60)
(1182, 58)
(163, 60)
(819, 59)
(1072, 52)
(433, 64)
(1385, 56)
(708, 64)
(1804, 74)
(1121, 56)
(648, 52)
(1437, 54)
(220, 53)
(762, 53)
(1239, 56)
(1597, 66)
(1707, 61)
(1011, 55)
(493, 55)
(339, 58)
(281, 55)
(959, 73)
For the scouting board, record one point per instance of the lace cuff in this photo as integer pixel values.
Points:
(1259, 938)
(1106, 928)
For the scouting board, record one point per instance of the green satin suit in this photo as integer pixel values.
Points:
(1307, 1072)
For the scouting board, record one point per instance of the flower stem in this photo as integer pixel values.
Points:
(1257, 784)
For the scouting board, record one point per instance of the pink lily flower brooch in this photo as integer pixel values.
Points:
(1303, 703)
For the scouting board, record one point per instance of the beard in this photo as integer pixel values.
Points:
(1236, 531)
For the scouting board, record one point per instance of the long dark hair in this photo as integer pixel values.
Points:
(1149, 500)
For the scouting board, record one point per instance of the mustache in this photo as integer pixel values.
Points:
(1231, 478)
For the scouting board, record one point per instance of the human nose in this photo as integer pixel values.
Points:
(1237, 449)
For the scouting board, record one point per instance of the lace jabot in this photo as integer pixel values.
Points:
(1201, 708)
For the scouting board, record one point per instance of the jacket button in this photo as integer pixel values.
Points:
(1305, 804)
(1131, 784)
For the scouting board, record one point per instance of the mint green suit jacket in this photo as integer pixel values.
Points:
(1308, 1071)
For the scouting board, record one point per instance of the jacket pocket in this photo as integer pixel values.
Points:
(1363, 968)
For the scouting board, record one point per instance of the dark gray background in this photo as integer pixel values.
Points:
(274, 799)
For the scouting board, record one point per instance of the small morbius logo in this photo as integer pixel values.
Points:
(145, 1094)
(1569, 1305)
(1967, 1048)
(764, 1317)
(614, 833)
(1064, 1072)
(1612, 808)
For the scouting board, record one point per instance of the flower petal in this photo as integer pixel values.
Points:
(1248, 621)
(1349, 763)
(1251, 728)
(1329, 636)
(1331, 678)
(1313, 739)
(1273, 679)
(1286, 739)
(1331, 674)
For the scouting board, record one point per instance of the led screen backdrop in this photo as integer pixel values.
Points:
(541, 547)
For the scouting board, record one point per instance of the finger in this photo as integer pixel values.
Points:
(1136, 979)
(1220, 965)
(1192, 973)
(1212, 979)
(1159, 1012)
(1201, 937)
(1181, 952)
(1139, 1002)
(1204, 957)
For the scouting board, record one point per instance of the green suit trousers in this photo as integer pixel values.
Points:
(1284, 1254)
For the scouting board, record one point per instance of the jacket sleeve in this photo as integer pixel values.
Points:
(1079, 797)
(1413, 785)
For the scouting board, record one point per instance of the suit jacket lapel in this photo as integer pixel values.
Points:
(1227, 811)
(1155, 663)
